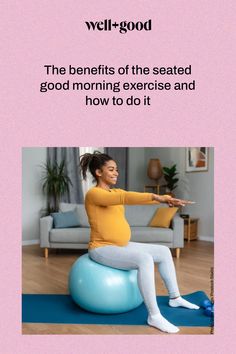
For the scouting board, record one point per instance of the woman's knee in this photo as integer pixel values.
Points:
(166, 253)
(145, 260)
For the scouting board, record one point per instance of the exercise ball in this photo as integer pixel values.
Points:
(101, 289)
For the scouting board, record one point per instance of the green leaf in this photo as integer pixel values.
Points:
(55, 181)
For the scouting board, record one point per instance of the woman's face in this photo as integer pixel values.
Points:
(108, 173)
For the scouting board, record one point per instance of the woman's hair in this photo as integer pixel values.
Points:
(93, 162)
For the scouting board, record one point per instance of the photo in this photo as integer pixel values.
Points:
(117, 240)
(196, 159)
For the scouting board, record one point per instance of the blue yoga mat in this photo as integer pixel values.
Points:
(51, 308)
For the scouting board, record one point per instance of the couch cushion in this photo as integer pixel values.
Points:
(140, 215)
(82, 215)
(151, 234)
(72, 235)
(163, 217)
(83, 219)
(65, 219)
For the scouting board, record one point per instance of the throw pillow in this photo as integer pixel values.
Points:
(66, 219)
(163, 217)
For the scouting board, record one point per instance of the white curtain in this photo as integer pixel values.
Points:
(86, 185)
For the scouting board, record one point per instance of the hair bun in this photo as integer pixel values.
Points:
(92, 162)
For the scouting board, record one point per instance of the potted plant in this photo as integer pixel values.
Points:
(170, 177)
(55, 184)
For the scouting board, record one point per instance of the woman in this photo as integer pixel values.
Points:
(110, 236)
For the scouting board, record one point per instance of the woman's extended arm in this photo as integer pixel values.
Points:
(170, 201)
(102, 197)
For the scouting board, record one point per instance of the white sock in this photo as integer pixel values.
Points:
(180, 302)
(161, 323)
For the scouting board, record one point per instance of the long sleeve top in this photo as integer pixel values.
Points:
(106, 215)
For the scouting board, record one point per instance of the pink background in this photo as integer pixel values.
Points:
(196, 32)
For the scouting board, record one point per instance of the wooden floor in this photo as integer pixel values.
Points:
(42, 276)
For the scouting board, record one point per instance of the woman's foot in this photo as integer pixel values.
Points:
(180, 302)
(158, 321)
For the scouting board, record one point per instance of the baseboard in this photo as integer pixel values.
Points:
(206, 238)
(30, 242)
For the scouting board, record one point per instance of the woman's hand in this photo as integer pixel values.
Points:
(171, 201)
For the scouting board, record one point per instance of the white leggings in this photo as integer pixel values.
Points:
(141, 256)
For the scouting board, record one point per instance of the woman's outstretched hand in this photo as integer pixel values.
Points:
(171, 201)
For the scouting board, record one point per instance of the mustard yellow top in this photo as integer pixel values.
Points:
(106, 214)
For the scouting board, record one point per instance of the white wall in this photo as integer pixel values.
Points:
(33, 199)
(201, 190)
(197, 186)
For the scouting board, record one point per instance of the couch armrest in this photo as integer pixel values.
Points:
(45, 226)
(178, 231)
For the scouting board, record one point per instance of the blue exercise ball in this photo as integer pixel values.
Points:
(101, 289)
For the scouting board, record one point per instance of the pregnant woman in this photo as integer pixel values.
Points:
(110, 242)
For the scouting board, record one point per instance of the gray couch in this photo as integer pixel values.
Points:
(138, 217)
